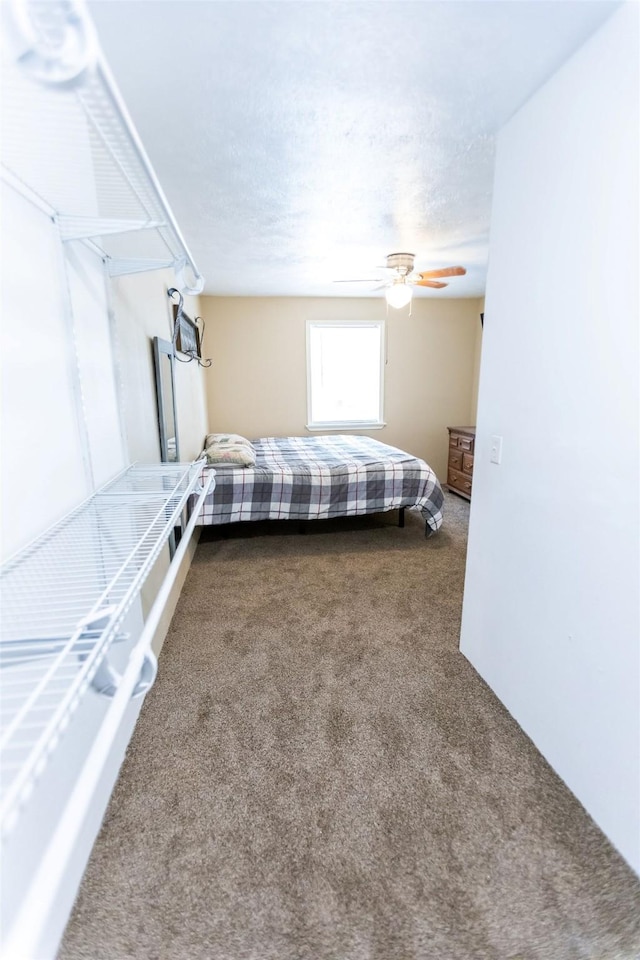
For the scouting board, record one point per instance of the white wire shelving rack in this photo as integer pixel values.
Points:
(70, 146)
(64, 598)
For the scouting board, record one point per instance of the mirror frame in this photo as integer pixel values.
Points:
(165, 348)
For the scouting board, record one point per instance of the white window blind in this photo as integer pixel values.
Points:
(345, 368)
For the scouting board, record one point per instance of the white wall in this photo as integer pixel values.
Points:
(142, 310)
(60, 430)
(78, 387)
(551, 611)
(42, 456)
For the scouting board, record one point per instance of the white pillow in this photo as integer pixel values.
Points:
(225, 438)
(231, 454)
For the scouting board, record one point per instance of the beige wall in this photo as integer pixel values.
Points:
(257, 383)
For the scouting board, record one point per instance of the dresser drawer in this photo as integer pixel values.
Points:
(461, 442)
(456, 458)
(459, 482)
(467, 463)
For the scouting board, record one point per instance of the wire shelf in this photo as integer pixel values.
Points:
(94, 176)
(64, 598)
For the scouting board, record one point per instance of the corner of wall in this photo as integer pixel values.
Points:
(475, 383)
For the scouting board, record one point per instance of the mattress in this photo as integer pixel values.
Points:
(321, 477)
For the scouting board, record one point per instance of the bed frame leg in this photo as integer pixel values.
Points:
(401, 517)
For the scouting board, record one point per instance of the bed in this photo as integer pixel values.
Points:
(321, 477)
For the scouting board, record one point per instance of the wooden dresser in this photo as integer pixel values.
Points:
(462, 441)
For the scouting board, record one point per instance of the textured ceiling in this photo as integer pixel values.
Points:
(300, 142)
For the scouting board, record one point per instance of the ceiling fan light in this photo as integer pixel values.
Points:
(398, 295)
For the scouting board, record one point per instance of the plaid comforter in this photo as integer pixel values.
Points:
(315, 478)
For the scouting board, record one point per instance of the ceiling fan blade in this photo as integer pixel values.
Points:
(445, 272)
(360, 280)
(430, 283)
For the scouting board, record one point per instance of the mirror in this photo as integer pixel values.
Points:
(165, 391)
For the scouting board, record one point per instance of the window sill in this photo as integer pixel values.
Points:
(346, 425)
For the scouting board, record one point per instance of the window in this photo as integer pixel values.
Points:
(345, 366)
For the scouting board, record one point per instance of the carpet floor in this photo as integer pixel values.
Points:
(319, 774)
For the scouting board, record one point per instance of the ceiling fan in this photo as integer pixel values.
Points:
(398, 285)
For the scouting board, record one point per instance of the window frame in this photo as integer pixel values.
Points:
(327, 425)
